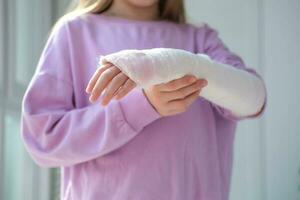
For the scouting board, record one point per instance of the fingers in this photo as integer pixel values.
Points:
(103, 81)
(186, 91)
(95, 77)
(181, 105)
(177, 83)
(113, 87)
(125, 89)
(174, 102)
(191, 98)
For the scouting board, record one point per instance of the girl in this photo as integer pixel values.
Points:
(163, 142)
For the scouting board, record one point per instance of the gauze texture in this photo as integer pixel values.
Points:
(237, 90)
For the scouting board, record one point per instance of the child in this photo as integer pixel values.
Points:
(163, 142)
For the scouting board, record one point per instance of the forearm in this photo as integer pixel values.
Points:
(56, 133)
(236, 90)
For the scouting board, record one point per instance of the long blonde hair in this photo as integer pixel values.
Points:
(172, 10)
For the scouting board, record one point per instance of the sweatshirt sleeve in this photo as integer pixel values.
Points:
(208, 42)
(55, 132)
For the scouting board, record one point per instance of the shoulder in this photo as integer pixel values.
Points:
(204, 30)
(74, 21)
(205, 36)
(74, 28)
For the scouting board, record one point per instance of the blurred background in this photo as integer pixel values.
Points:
(264, 32)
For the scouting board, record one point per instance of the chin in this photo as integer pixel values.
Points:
(143, 3)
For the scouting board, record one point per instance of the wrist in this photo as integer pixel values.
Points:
(149, 101)
(135, 104)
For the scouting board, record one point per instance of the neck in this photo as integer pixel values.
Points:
(124, 9)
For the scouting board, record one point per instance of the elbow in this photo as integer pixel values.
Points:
(42, 162)
(36, 153)
(259, 98)
(41, 158)
(253, 101)
(36, 142)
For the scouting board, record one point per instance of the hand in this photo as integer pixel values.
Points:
(175, 96)
(110, 78)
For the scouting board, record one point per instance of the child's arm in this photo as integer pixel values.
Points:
(236, 90)
(168, 99)
(110, 79)
(58, 133)
(209, 42)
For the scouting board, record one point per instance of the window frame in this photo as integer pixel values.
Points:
(12, 91)
(42, 19)
(2, 56)
(2, 63)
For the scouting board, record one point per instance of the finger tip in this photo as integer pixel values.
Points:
(118, 96)
(202, 82)
(88, 90)
(192, 79)
(103, 103)
(91, 99)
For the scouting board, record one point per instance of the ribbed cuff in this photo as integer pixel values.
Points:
(137, 110)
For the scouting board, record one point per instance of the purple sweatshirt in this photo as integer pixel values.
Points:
(126, 150)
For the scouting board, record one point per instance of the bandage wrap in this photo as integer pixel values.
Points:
(237, 90)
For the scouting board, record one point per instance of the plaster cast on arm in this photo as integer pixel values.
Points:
(234, 89)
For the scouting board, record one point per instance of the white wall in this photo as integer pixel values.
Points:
(282, 124)
(266, 34)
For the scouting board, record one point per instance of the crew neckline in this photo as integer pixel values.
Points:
(122, 20)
